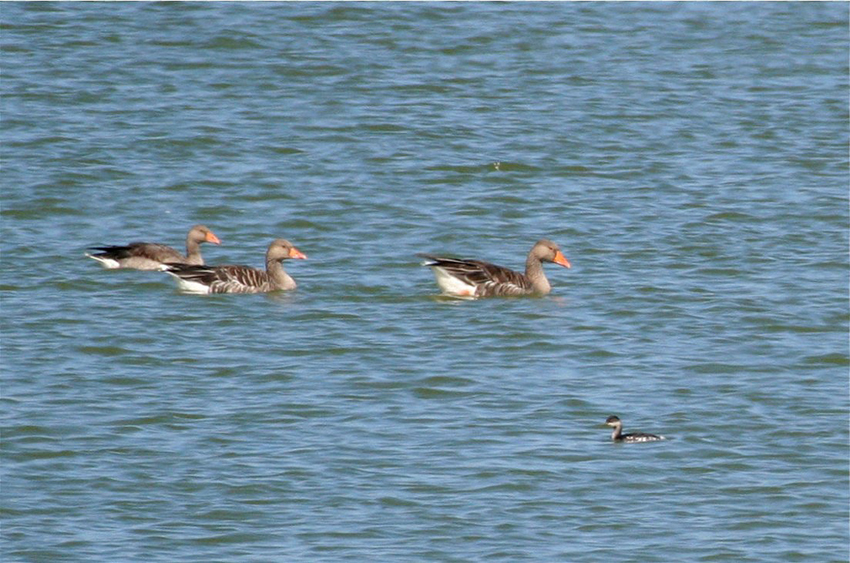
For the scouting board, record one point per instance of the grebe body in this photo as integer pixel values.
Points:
(618, 436)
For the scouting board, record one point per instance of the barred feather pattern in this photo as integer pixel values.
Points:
(488, 279)
(137, 256)
(227, 279)
(148, 250)
(154, 256)
(240, 279)
(474, 278)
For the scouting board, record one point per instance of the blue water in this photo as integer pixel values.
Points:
(690, 159)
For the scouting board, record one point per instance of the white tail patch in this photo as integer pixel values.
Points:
(451, 285)
(190, 286)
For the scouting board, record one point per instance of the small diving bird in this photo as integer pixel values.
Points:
(618, 435)
(154, 256)
(474, 278)
(240, 279)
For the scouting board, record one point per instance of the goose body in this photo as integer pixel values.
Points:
(154, 256)
(474, 278)
(618, 436)
(237, 278)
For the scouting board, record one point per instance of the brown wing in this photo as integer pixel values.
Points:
(488, 279)
(502, 281)
(148, 250)
(240, 279)
(224, 279)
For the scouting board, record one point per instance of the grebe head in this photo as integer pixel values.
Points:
(613, 421)
(617, 425)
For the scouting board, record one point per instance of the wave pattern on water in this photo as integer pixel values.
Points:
(691, 160)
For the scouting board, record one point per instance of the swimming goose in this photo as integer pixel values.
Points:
(240, 279)
(618, 435)
(153, 256)
(473, 278)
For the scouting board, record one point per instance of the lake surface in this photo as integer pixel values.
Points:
(690, 159)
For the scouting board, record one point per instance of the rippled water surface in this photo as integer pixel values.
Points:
(690, 159)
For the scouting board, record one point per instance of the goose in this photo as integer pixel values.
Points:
(618, 435)
(474, 278)
(154, 256)
(240, 279)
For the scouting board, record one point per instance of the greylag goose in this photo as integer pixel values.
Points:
(473, 278)
(239, 279)
(153, 256)
(618, 435)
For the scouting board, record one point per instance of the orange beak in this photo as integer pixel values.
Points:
(212, 238)
(561, 260)
(295, 253)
